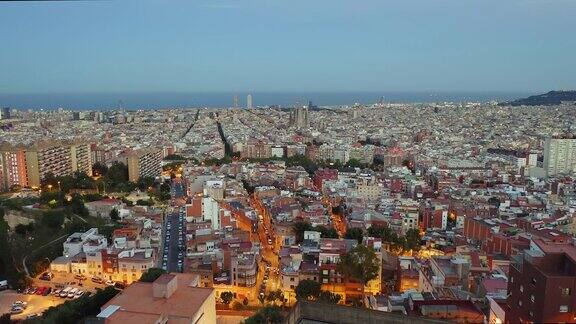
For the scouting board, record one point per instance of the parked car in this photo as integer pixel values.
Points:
(97, 280)
(80, 277)
(16, 310)
(64, 292)
(46, 276)
(109, 283)
(20, 303)
(72, 293)
(47, 291)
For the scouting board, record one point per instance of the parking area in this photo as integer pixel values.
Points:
(34, 304)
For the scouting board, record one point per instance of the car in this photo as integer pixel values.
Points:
(97, 280)
(109, 283)
(46, 276)
(78, 293)
(64, 292)
(80, 277)
(56, 292)
(72, 293)
(40, 290)
(32, 316)
(46, 291)
(16, 310)
(20, 303)
(119, 285)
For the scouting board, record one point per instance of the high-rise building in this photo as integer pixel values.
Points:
(28, 166)
(235, 102)
(559, 156)
(542, 284)
(299, 117)
(249, 101)
(12, 167)
(6, 113)
(144, 163)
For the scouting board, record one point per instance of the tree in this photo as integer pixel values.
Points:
(299, 229)
(114, 215)
(5, 319)
(152, 274)
(52, 219)
(329, 297)
(307, 289)
(99, 169)
(227, 297)
(21, 229)
(326, 232)
(355, 233)
(275, 295)
(412, 239)
(360, 264)
(268, 314)
(77, 206)
(144, 183)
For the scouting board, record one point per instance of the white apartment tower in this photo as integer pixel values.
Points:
(559, 156)
(249, 101)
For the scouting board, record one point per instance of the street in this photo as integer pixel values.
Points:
(174, 240)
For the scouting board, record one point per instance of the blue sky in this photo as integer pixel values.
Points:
(297, 45)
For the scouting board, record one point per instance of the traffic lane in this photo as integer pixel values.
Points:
(36, 303)
(174, 253)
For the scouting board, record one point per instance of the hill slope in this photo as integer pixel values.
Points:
(547, 99)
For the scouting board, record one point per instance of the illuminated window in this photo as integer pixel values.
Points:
(532, 298)
(563, 309)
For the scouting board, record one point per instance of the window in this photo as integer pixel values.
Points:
(565, 291)
(291, 279)
(519, 303)
(533, 281)
(532, 298)
(531, 314)
(563, 309)
(521, 288)
(512, 279)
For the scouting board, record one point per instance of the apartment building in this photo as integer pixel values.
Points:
(559, 156)
(542, 284)
(12, 167)
(144, 163)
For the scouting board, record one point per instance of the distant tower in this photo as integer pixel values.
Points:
(6, 113)
(249, 101)
(299, 117)
(235, 102)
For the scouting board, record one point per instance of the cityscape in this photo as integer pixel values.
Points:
(311, 206)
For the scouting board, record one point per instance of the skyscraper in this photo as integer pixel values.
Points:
(235, 102)
(6, 113)
(249, 101)
(559, 156)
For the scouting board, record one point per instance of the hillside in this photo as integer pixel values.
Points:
(547, 99)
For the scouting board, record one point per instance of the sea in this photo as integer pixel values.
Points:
(105, 101)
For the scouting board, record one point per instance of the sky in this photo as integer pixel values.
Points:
(146, 46)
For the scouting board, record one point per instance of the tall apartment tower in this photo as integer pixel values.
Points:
(144, 163)
(249, 101)
(559, 156)
(12, 167)
(6, 113)
(299, 118)
(235, 102)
